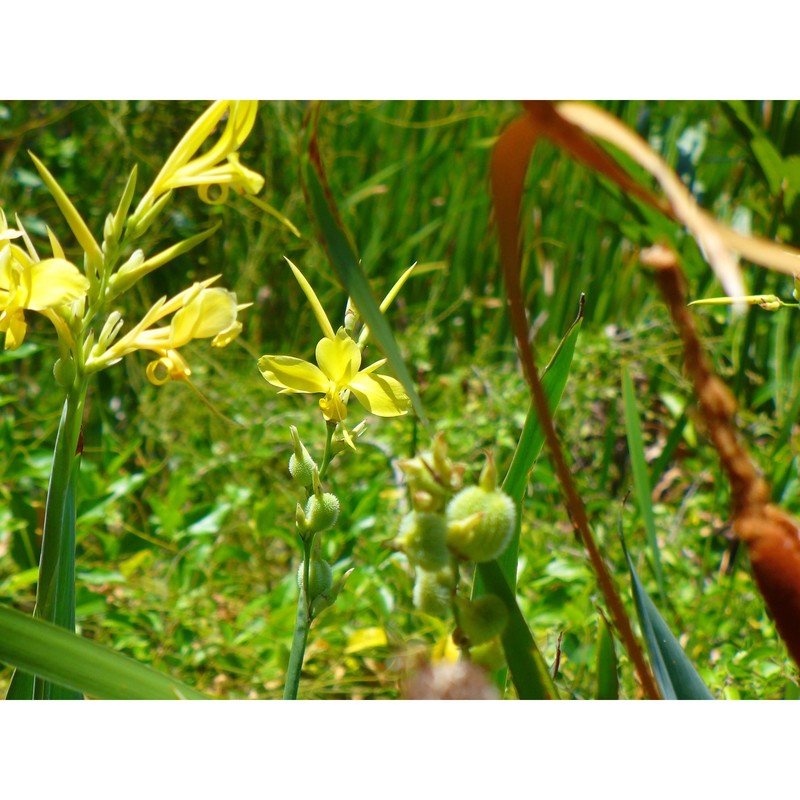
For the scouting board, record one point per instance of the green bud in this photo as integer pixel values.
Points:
(142, 219)
(64, 372)
(322, 511)
(301, 465)
(109, 231)
(423, 538)
(480, 523)
(320, 578)
(433, 591)
(481, 619)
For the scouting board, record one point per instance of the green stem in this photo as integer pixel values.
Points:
(301, 625)
(55, 593)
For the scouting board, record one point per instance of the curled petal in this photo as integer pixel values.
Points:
(380, 394)
(339, 358)
(169, 367)
(293, 374)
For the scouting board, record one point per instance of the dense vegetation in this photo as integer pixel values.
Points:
(187, 558)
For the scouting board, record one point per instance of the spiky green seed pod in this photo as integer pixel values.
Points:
(480, 523)
(433, 591)
(301, 465)
(423, 538)
(482, 619)
(320, 578)
(322, 512)
(301, 469)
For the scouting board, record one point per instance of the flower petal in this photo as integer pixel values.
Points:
(208, 314)
(55, 282)
(12, 323)
(380, 394)
(339, 358)
(293, 374)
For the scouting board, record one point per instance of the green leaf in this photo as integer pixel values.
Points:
(641, 479)
(528, 668)
(64, 659)
(607, 677)
(677, 679)
(770, 161)
(337, 244)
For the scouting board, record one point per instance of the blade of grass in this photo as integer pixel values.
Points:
(677, 679)
(64, 659)
(337, 244)
(671, 445)
(641, 480)
(607, 677)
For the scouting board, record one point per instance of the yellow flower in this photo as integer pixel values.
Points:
(219, 166)
(338, 373)
(200, 312)
(28, 284)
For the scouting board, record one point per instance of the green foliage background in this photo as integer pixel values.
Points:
(186, 553)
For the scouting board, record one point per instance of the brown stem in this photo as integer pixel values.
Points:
(771, 536)
(510, 159)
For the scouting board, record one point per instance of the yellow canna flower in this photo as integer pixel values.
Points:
(218, 166)
(336, 374)
(200, 312)
(33, 285)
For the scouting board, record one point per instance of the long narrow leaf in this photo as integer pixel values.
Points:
(641, 480)
(345, 262)
(64, 609)
(65, 659)
(607, 678)
(677, 679)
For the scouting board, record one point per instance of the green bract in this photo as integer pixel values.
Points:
(320, 578)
